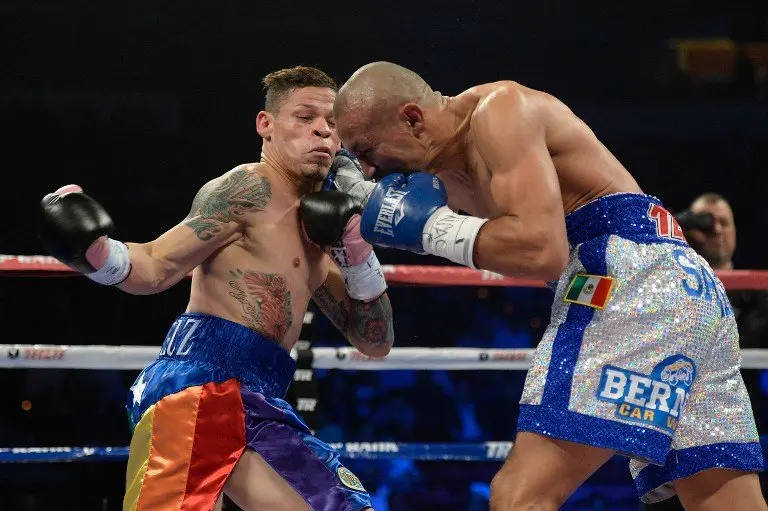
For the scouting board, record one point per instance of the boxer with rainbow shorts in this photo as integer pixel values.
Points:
(208, 416)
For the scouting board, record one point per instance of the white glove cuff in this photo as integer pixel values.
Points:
(117, 266)
(365, 281)
(451, 235)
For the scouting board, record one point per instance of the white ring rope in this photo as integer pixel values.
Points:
(49, 356)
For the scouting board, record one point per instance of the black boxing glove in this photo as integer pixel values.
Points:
(325, 215)
(74, 229)
(331, 219)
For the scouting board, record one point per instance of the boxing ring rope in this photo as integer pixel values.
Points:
(47, 266)
(50, 356)
(43, 356)
(485, 451)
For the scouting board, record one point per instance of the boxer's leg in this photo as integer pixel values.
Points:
(285, 467)
(541, 472)
(254, 485)
(721, 490)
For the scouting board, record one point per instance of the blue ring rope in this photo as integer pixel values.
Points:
(486, 451)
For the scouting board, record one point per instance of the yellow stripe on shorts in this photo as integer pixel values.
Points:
(138, 460)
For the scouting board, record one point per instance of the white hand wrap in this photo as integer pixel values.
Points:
(365, 281)
(117, 266)
(451, 235)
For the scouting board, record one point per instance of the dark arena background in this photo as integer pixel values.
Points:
(142, 103)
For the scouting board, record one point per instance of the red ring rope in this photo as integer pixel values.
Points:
(46, 266)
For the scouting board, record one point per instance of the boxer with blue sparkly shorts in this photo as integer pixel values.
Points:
(641, 356)
(208, 416)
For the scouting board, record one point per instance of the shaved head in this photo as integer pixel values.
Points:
(381, 116)
(376, 90)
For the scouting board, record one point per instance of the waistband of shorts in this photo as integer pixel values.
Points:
(240, 352)
(633, 216)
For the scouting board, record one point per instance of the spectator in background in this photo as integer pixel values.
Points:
(710, 229)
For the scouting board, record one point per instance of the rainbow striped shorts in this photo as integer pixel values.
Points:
(217, 389)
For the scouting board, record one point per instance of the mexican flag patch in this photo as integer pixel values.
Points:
(590, 290)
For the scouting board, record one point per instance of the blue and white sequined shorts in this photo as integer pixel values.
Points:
(649, 368)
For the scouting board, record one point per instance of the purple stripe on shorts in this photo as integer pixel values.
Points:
(284, 450)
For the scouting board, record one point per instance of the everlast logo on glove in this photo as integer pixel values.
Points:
(386, 218)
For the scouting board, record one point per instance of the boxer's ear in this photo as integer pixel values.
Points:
(264, 124)
(413, 115)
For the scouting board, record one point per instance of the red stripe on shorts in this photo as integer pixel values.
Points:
(219, 441)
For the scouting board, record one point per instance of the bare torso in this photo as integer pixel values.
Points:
(265, 278)
(585, 168)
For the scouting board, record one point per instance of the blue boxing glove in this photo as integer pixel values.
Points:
(410, 213)
(399, 208)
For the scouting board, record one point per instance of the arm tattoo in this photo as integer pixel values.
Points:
(364, 323)
(219, 201)
(265, 300)
(371, 322)
(336, 310)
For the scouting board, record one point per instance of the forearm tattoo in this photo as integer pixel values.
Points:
(336, 310)
(218, 202)
(367, 323)
(265, 300)
(371, 322)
